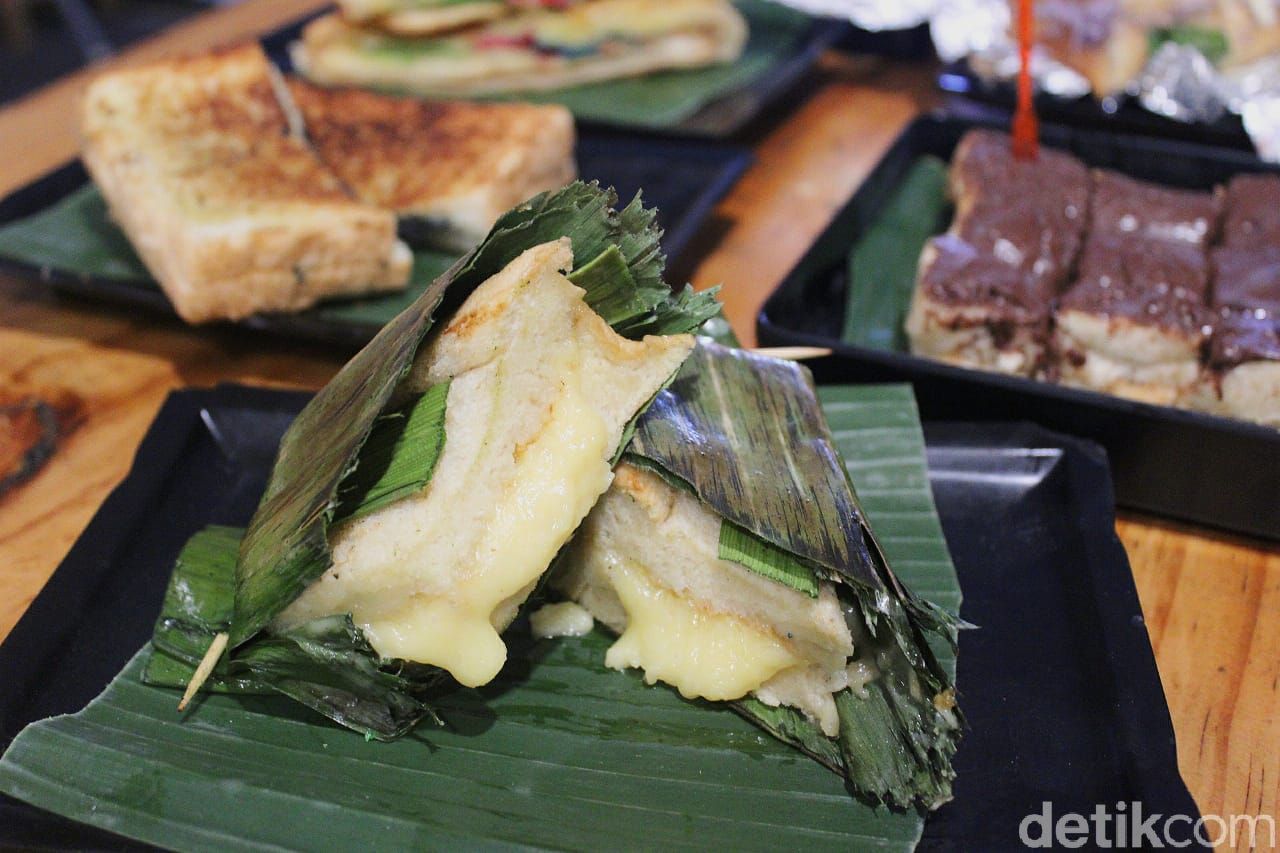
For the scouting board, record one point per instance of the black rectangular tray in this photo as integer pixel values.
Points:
(1182, 464)
(1059, 684)
(682, 178)
(973, 96)
(913, 44)
(722, 118)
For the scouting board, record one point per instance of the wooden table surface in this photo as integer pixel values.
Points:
(1211, 601)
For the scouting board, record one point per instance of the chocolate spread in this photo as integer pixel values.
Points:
(1244, 334)
(960, 275)
(1247, 278)
(1130, 208)
(1152, 282)
(984, 171)
(1253, 212)
(1025, 235)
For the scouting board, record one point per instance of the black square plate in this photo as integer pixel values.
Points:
(1187, 465)
(1059, 683)
(683, 179)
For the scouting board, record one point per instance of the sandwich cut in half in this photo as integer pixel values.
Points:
(733, 559)
(535, 50)
(425, 17)
(417, 500)
(231, 213)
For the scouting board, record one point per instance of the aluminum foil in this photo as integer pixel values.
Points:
(1177, 82)
(1254, 93)
(1181, 84)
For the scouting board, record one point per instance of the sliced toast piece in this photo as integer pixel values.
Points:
(984, 174)
(453, 166)
(972, 309)
(647, 565)
(535, 50)
(230, 213)
(1134, 209)
(1136, 319)
(1242, 376)
(1242, 379)
(1252, 217)
(540, 393)
(419, 18)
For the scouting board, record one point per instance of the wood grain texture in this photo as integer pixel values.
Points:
(1211, 601)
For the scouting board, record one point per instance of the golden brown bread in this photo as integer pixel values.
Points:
(457, 164)
(534, 50)
(419, 19)
(230, 213)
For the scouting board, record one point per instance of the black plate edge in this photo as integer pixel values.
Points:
(730, 161)
(720, 119)
(852, 363)
(1148, 731)
(26, 652)
(171, 431)
(734, 113)
(971, 93)
(909, 44)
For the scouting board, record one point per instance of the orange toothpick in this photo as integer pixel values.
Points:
(1026, 130)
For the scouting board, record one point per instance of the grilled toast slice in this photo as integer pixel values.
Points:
(534, 50)
(419, 18)
(450, 168)
(231, 213)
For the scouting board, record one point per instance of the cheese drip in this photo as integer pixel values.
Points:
(558, 478)
(701, 653)
(540, 390)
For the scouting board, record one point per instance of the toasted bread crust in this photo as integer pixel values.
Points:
(423, 22)
(231, 214)
(687, 34)
(463, 164)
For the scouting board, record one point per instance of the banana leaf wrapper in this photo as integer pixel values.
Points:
(322, 474)
(747, 435)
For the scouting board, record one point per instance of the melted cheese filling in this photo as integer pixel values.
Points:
(559, 476)
(716, 656)
(562, 619)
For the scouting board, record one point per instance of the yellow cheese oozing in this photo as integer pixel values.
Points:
(715, 656)
(559, 476)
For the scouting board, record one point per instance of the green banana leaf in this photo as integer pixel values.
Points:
(729, 404)
(559, 753)
(745, 548)
(286, 545)
(745, 433)
(77, 237)
(882, 264)
(347, 453)
(325, 664)
(1212, 43)
(398, 459)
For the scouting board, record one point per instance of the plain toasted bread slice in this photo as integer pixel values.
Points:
(230, 213)
(455, 165)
